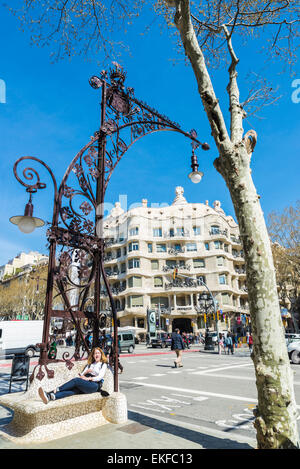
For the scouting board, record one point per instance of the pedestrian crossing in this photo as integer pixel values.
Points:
(211, 370)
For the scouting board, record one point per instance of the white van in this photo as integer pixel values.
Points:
(20, 337)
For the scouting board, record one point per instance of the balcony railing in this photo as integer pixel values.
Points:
(177, 234)
(167, 268)
(175, 251)
(187, 283)
(216, 232)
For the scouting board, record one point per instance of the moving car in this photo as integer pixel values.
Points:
(161, 340)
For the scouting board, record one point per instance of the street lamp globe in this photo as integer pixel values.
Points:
(27, 223)
(195, 176)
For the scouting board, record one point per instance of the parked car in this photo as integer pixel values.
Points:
(294, 352)
(291, 337)
(127, 341)
(161, 340)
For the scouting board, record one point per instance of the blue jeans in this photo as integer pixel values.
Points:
(76, 386)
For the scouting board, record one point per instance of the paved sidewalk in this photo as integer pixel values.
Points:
(143, 432)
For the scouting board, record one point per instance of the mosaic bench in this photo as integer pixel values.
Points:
(35, 421)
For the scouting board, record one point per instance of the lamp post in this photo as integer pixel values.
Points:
(208, 304)
(77, 226)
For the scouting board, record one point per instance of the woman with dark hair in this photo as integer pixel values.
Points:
(89, 381)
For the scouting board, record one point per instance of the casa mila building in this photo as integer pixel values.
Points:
(146, 245)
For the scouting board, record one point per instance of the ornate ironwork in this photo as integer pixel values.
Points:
(75, 235)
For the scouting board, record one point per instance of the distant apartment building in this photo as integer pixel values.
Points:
(146, 244)
(21, 262)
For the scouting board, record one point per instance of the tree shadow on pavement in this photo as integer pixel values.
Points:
(203, 440)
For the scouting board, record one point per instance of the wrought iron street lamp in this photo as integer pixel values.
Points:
(77, 226)
(27, 222)
(208, 305)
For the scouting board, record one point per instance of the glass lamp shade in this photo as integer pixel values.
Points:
(196, 176)
(26, 224)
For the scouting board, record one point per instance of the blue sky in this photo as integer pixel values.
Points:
(51, 111)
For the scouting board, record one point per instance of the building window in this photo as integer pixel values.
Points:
(214, 229)
(150, 247)
(223, 279)
(171, 232)
(206, 245)
(218, 244)
(157, 232)
(133, 246)
(171, 264)
(198, 263)
(133, 263)
(154, 265)
(191, 247)
(123, 268)
(180, 231)
(161, 248)
(220, 261)
(159, 301)
(136, 301)
(134, 231)
(134, 282)
(118, 252)
(197, 230)
(158, 282)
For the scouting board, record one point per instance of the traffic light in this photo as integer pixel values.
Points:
(204, 317)
(175, 274)
(218, 316)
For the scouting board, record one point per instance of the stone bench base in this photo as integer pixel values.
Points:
(35, 421)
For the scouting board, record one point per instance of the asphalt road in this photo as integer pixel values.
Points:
(210, 391)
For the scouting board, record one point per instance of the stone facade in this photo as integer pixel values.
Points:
(146, 244)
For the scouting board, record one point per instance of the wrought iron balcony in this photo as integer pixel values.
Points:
(167, 268)
(216, 232)
(176, 251)
(186, 283)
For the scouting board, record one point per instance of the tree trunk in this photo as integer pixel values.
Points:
(276, 414)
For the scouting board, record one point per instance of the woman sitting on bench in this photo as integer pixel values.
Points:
(89, 381)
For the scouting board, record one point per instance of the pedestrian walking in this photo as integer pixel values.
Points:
(89, 381)
(229, 344)
(221, 343)
(249, 341)
(178, 346)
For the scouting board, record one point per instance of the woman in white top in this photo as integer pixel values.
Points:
(89, 381)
